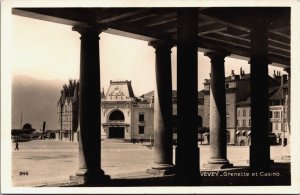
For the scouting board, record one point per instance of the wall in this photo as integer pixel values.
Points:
(148, 122)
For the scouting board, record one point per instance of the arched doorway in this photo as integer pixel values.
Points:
(116, 131)
(116, 115)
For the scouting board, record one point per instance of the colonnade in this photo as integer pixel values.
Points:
(186, 166)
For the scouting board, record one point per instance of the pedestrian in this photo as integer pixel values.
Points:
(17, 146)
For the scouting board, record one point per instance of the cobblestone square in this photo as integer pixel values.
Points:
(48, 162)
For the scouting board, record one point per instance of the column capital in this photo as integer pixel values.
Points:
(213, 55)
(161, 45)
(82, 29)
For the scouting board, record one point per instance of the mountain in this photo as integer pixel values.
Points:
(37, 100)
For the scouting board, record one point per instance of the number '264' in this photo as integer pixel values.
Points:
(23, 173)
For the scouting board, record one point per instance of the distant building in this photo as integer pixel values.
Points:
(67, 107)
(132, 118)
(237, 90)
(123, 116)
(278, 114)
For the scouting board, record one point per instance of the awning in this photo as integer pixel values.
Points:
(243, 131)
(249, 132)
(237, 132)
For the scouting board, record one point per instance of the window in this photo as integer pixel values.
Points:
(244, 112)
(238, 123)
(228, 136)
(141, 129)
(227, 109)
(276, 126)
(238, 112)
(244, 122)
(227, 85)
(271, 114)
(250, 112)
(141, 118)
(277, 114)
(249, 122)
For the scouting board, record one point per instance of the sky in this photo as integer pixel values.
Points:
(46, 50)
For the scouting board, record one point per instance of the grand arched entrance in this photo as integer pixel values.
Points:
(116, 130)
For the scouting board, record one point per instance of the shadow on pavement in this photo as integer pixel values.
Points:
(279, 174)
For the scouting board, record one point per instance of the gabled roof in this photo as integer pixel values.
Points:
(120, 88)
(274, 93)
(277, 93)
(246, 102)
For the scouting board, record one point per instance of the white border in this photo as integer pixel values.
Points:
(7, 5)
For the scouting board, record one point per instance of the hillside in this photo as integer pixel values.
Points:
(36, 99)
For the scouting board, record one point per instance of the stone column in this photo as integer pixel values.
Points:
(288, 105)
(163, 134)
(89, 108)
(260, 147)
(187, 151)
(217, 121)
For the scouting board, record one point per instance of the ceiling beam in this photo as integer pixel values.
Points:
(240, 50)
(228, 24)
(279, 38)
(59, 16)
(163, 21)
(233, 36)
(281, 34)
(227, 39)
(118, 16)
(211, 28)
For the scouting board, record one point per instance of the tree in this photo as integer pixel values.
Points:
(69, 89)
(27, 126)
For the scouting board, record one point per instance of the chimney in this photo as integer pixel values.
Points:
(102, 92)
(232, 75)
(274, 75)
(241, 72)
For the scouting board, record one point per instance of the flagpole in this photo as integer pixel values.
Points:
(21, 120)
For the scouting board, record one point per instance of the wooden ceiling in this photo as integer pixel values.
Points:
(219, 28)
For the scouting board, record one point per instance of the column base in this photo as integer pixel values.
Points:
(217, 164)
(161, 169)
(82, 176)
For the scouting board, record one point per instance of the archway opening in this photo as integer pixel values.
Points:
(116, 133)
(116, 115)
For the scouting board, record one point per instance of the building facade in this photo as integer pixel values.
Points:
(68, 107)
(278, 115)
(237, 88)
(125, 116)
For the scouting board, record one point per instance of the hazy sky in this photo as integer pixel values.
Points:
(46, 50)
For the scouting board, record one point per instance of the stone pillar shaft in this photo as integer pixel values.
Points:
(163, 150)
(187, 151)
(89, 107)
(260, 148)
(217, 121)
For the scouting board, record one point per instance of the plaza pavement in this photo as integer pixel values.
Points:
(50, 162)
